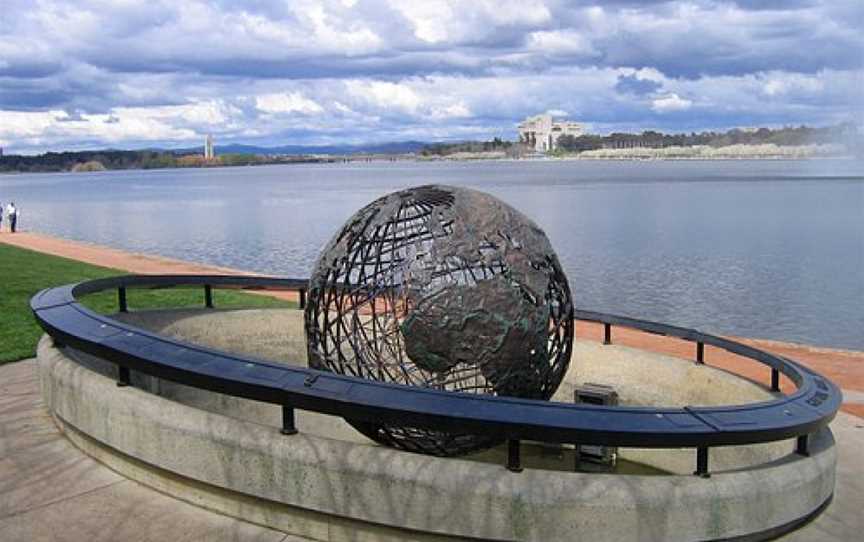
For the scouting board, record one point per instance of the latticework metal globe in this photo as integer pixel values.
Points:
(445, 288)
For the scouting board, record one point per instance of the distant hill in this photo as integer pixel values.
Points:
(396, 147)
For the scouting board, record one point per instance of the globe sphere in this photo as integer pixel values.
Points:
(445, 288)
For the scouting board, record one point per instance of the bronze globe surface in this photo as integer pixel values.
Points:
(446, 288)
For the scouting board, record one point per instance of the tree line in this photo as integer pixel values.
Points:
(116, 159)
(786, 136)
(443, 149)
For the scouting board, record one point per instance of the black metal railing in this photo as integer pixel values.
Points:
(798, 414)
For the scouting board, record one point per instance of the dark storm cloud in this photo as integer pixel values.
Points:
(305, 67)
(29, 96)
(51, 93)
(29, 70)
(630, 84)
(81, 87)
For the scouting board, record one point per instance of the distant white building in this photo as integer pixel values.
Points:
(542, 132)
(209, 150)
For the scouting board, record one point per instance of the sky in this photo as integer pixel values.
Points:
(163, 73)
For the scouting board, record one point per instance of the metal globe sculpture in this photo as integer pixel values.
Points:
(446, 288)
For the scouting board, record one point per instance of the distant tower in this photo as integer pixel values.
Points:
(209, 151)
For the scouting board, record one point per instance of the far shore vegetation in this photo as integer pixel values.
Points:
(842, 140)
(801, 141)
(23, 273)
(83, 161)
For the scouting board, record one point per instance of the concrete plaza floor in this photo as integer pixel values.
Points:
(51, 491)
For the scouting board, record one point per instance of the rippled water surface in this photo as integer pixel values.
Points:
(769, 249)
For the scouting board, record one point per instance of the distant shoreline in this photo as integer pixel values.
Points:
(841, 141)
(474, 158)
(766, 151)
(577, 158)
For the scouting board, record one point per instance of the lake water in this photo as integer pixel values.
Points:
(771, 249)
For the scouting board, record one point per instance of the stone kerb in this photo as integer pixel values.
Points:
(325, 488)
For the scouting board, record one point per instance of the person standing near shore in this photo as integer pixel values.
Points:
(1, 216)
(12, 213)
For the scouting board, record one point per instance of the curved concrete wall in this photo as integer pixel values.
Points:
(329, 489)
(639, 377)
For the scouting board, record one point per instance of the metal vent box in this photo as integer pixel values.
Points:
(596, 394)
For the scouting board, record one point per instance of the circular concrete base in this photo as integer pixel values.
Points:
(329, 483)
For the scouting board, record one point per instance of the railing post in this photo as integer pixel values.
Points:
(607, 333)
(302, 298)
(702, 462)
(514, 463)
(124, 378)
(700, 352)
(775, 380)
(288, 426)
(208, 296)
(801, 447)
(121, 299)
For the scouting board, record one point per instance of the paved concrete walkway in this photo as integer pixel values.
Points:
(51, 491)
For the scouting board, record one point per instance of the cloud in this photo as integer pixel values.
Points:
(560, 42)
(453, 111)
(669, 103)
(695, 39)
(163, 72)
(783, 84)
(75, 116)
(292, 102)
(34, 128)
(632, 84)
(385, 95)
(470, 22)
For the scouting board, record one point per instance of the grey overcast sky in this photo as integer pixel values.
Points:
(131, 74)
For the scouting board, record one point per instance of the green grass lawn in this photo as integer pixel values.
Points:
(24, 272)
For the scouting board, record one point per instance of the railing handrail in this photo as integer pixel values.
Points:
(810, 407)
